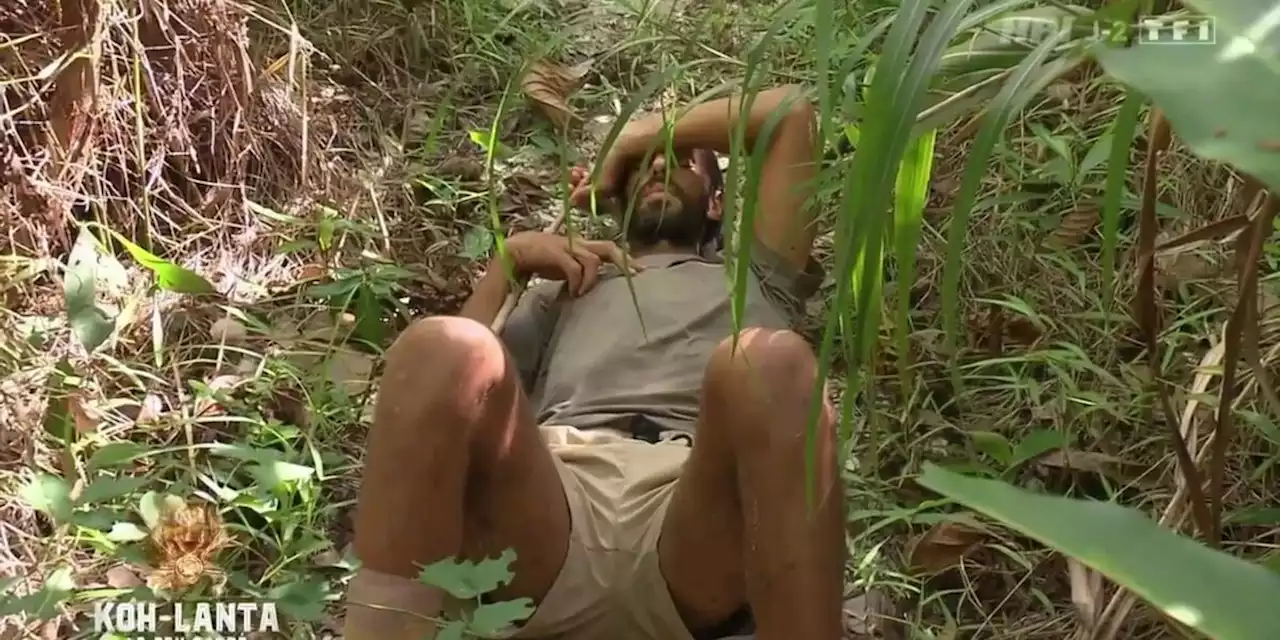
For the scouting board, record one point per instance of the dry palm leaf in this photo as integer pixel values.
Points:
(549, 86)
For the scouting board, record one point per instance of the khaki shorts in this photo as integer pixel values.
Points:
(611, 587)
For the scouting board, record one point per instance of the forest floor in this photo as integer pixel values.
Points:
(322, 165)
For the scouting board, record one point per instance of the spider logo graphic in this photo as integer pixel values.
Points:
(184, 542)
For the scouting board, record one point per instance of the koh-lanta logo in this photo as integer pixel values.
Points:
(184, 620)
(185, 538)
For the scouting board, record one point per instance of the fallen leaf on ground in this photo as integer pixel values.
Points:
(872, 614)
(350, 369)
(1074, 227)
(312, 272)
(85, 419)
(943, 546)
(228, 330)
(123, 577)
(549, 86)
(462, 168)
(1092, 462)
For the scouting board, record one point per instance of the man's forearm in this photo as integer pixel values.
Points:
(487, 296)
(711, 125)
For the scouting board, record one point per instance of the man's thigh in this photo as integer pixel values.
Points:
(700, 550)
(455, 462)
(517, 501)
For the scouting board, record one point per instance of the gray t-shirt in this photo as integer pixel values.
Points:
(587, 362)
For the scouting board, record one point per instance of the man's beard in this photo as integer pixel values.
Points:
(668, 218)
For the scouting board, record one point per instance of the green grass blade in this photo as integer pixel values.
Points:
(911, 193)
(1123, 130)
(740, 229)
(1012, 97)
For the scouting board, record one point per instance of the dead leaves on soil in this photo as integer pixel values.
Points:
(944, 546)
(550, 86)
(1075, 225)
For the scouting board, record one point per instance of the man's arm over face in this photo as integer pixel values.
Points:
(784, 221)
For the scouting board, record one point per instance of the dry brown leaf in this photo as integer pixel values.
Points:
(228, 330)
(123, 577)
(943, 546)
(1075, 226)
(994, 327)
(312, 272)
(1173, 269)
(85, 419)
(550, 85)
(350, 369)
(1099, 464)
(462, 168)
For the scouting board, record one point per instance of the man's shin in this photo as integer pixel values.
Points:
(385, 606)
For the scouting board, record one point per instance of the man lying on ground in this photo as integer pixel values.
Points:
(651, 480)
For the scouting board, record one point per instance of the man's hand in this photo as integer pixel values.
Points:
(555, 257)
(626, 151)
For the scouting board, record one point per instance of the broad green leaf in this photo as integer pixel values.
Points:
(50, 495)
(169, 276)
(151, 508)
(90, 324)
(301, 599)
(994, 445)
(1220, 98)
(272, 475)
(1260, 516)
(115, 454)
(464, 579)
(452, 630)
(368, 310)
(1037, 443)
(911, 194)
(1219, 595)
(43, 604)
(104, 489)
(491, 618)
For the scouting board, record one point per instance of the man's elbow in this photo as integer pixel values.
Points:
(794, 98)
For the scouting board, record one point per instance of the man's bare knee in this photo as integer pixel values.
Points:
(773, 369)
(456, 365)
(780, 360)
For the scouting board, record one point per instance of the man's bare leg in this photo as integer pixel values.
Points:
(739, 528)
(455, 467)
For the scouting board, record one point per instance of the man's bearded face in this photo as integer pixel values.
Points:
(666, 201)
